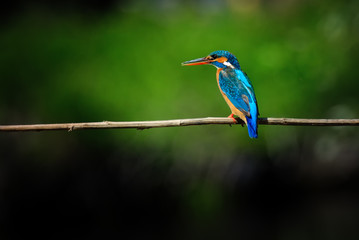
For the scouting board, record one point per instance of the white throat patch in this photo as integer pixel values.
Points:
(228, 64)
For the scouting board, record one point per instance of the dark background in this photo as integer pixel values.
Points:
(81, 61)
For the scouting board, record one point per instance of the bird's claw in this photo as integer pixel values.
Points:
(237, 120)
(234, 120)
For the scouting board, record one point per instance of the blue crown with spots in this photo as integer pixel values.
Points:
(231, 58)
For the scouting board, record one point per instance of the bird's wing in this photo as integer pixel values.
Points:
(239, 90)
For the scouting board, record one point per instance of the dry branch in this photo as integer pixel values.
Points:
(178, 123)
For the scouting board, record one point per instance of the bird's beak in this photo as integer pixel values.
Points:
(198, 61)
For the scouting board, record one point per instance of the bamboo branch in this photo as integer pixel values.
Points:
(178, 123)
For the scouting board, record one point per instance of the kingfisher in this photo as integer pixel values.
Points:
(235, 87)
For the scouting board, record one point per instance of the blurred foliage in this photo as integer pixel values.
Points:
(126, 65)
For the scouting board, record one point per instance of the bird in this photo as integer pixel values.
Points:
(235, 87)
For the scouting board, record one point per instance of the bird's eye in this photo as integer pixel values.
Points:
(212, 57)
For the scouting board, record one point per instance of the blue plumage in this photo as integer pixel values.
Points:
(239, 90)
(235, 87)
(252, 121)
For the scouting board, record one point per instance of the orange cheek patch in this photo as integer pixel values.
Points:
(221, 59)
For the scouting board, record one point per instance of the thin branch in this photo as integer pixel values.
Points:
(178, 123)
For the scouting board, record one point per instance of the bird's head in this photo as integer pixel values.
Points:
(219, 59)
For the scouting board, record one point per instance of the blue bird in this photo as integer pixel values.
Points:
(235, 87)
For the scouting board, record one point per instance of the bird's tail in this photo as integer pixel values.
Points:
(252, 124)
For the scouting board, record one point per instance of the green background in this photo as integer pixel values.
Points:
(77, 63)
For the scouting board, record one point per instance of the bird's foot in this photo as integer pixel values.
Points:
(231, 116)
